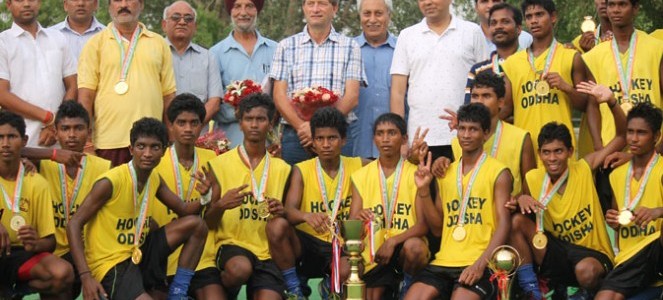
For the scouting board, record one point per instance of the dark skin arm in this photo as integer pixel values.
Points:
(527, 162)
(182, 208)
(71, 87)
(86, 98)
(659, 148)
(62, 156)
(230, 200)
(31, 241)
(594, 118)
(318, 221)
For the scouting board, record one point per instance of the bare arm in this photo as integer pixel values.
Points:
(350, 97)
(398, 89)
(230, 200)
(18, 105)
(357, 204)
(578, 75)
(596, 159)
(433, 213)
(211, 108)
(86, 98)
(527, 162)
(172, 201)
(594, 118)
(71, 87)
(293, 200)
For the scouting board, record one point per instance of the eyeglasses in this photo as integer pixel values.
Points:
(187, 18)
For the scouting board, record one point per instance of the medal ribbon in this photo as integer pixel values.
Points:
(67, 202)
(547, 194)
(142, 215)
(126, 56)
(257, 190)
(389, 203)
(625, 75)
(370, 227)
(175, 162)
(323, 189)
(459, 185)
(13, 203)
(549, 58)
(336, 258)
(497, 140)
(629, 203)
(597, 35)
(496, 64)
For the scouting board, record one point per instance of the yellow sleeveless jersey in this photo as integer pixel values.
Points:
(367, 182)
(312, 198)
(110, 234)
(658, 33)
(530, 111)
(163, 215)
(35, 207)
(94, 167)
(576, 43)
(241, 226)
(509, 151)
(576, 216)
(480, 220)
(633, 238)
(644, 81)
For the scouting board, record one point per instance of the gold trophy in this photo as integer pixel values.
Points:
(503, 263)
(355, 288)
(588, 24)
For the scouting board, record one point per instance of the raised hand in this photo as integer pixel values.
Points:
(423, 175)
(204, 184)
(601, 92)
(232, 198)
(440, 166)
(452, 117)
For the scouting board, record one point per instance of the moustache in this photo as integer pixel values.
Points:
(126, 10)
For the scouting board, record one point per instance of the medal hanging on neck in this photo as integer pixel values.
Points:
(136, 253)
(495, 62)
(121, 87)
(175, 162)
(69, 202)
(258, 190)
(625, 74)
(459, 233)
(14, 203)
(389, 203)
(540, 240)
(541, 86)
(626, 213)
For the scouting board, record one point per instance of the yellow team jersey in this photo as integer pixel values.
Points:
(35, 207)
(367, 182)
(480, 217)
(110, 234)
(658, 33)
(509, 151)
(163, 215)
(312, 198)
(576, 216)
(241, 226)
(530, 111)
(633, 238)
(94, 167)
(645, 81)
(576, 42)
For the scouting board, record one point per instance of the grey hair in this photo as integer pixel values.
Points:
(388, 3)
(333, 2)
(165, 10)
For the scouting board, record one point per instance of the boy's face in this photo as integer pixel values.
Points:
(146, 152)
(186, 128)
(539, 21)
(487, 97)
(11, 143)
(255, 124)
(72, 133)
(555, 156)
(388, 139)
(327, 143)
(470, 135)
(639, 137)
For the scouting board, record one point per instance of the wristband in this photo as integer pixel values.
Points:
(54, 154)
(206, 199)
(48, 119)
(80, 274)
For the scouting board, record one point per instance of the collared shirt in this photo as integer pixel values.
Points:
(35, 68)
(524, 40)
(436, 66)
(196, 72)
(75, 40)
(150, 77)
(478, 68)
(374, 98)
(236, 64)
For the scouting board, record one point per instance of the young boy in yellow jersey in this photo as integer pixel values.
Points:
(568, 240)
(120, 257)
(384, 192)
(319, 192)
(26, 223)
(469, 212)
(180, 162)
(637, 212)
(540, 80)
(251, 184)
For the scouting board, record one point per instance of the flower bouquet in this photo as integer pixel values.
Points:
(307, 100)
(214, 139)
(238, 90)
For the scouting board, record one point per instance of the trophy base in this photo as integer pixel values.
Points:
(355, 291)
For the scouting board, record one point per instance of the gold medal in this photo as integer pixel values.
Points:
(540, 240)
(459, 233)
(263, 209)
(16, 222)
(626, 106)
(625, 217)
(542, 88)
(121, 87)
(588, 24)
(136, 255)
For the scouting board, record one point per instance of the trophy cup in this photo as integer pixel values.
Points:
(503, 263)
(352, 232)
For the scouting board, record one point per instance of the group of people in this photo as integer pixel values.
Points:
(151, 215)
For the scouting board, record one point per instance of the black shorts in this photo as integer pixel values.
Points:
(315, 261)
(385, 275)
(561, 258)
(445, 280)
(266, 275)
(127, 280)
(201, 279)
(639, 272)
(9, 266)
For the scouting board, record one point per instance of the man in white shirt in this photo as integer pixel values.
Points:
(37, 72)
(431, 62)
(80, 24)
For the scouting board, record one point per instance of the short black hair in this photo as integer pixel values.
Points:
(554, 131)
(517, 14)
(488, 79)
(634, 3)
(186, 103)
(13, 120)
(648, 112)
(391, 118)
(72, 110)
(329, 117)
(548, 5)
(475, 113)
(148, 127)
(256, 100)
